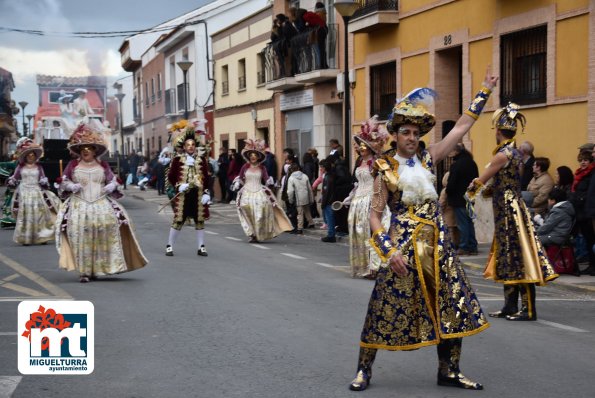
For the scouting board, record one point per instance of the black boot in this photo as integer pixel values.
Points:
(527, 312)
(449, 374)
(511, 298)
(364, 369)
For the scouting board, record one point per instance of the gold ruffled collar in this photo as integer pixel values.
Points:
(503, 144)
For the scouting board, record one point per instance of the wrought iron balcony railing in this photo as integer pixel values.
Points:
(370, 6)
(311, 50)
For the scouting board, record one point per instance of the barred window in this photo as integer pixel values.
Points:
(383, 88)
(523, 66)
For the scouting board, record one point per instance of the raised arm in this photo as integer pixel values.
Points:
(442, 148)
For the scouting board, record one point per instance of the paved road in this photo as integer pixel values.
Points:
(277, 319)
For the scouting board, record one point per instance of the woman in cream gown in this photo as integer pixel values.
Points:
(260, 216)
(94, 234)
(365, 262)
(33, 205)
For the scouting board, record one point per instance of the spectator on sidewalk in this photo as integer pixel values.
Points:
(235, 165)
(462, 172)
(270, 164)
(558, 223)
(336, 150)
(299, 193)
(540, 186)
(580, 190)
(448, 213)
(527, 159)
(223, 162)
(328, 192)
(563, 179)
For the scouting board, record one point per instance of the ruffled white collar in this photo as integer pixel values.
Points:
(415, 181)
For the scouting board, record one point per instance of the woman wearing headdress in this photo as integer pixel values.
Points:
(33, 205)
(517, 258)
(370, 141)
(188, 175)
(260, 216)
(94, 234)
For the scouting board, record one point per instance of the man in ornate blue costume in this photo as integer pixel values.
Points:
(517, 258)
(422, 296)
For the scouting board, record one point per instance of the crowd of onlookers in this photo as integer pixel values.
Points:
(562, 204)
(299, 41)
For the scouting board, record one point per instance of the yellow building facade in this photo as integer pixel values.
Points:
(543, 51)
(244, 108)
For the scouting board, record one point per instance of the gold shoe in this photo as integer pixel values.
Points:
(458, 380)
(361, 381)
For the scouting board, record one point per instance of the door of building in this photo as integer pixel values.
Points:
(298, 130)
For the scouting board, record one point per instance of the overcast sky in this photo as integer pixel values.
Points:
(26, 55)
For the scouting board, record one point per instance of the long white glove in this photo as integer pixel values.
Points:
(270, 182)
(189, 161)
(109, 188)
(236, 184)
(43, 181)
(183, 187)
(206, 198)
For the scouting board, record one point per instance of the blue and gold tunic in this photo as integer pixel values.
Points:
(434, 300)
(517, 255)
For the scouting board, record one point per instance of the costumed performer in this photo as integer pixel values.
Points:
(260, 215)
(517, 258)
(423, 297)
(188, 175)
(370, 142)
(94, 234)
(33, 205)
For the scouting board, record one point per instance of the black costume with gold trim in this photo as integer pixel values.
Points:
(188, 204)
(435, 300)
(517, 258)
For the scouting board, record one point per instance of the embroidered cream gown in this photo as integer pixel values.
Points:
(93, 233)
(257, 208)
(362, 257)
(35, 210)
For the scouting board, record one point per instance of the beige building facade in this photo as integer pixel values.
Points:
(244, 108)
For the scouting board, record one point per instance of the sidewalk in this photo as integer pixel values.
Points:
(584, 283)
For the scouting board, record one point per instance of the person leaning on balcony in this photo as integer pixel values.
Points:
(286, 32)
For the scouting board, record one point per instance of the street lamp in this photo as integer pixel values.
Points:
(29, 129)
(120, 96)
(346, 8)
(185, 65)
(23, 104)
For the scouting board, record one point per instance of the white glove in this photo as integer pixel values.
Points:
(270, 181)
(538, 219)
(189, 161)
(205, 198)
(109, 188)
(236, 184)
(74, 187)
(43, 181)
(183, 187)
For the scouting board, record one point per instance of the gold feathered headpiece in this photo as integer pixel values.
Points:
(508, 118)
